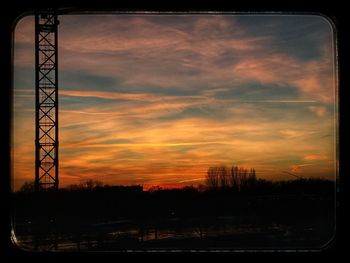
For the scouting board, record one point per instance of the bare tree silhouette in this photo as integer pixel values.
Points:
(223, 177)
(234, 177)
(212, 178)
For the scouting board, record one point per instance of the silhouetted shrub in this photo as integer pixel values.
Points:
(27, 187)
(87, 185)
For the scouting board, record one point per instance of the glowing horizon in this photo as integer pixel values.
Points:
(158, 99)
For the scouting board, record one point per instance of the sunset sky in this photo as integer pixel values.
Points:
(157, 99)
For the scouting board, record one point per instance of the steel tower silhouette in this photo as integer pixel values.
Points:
(46, 100)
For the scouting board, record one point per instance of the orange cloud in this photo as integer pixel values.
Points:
(318, 110)
(314, 83)
(297, 167)
(315, 157)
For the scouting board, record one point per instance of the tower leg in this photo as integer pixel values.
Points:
(46, 100)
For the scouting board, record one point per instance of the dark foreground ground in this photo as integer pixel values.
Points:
(297, 215)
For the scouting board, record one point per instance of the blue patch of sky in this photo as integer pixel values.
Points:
(203, 111)
(259, 91)
(76, 102)
(295, 35)
(78, 80)
(184, 23)
(227, 58)
(188, 90)
(24, 78)
(85, 22)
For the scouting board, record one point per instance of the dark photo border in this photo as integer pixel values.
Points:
(7, 20)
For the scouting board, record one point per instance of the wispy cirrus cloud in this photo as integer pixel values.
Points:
(124, 96)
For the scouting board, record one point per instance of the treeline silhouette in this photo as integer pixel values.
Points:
(92, 200)
(230, 192)
(232, 179)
